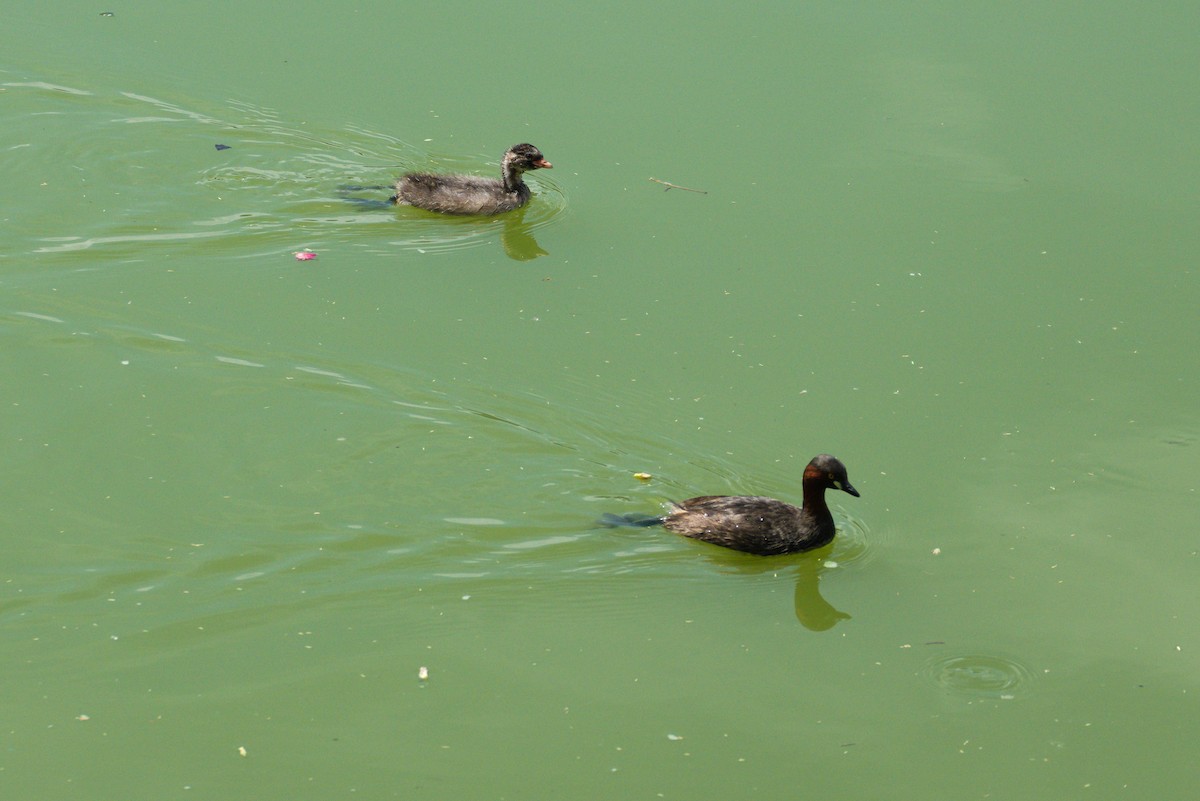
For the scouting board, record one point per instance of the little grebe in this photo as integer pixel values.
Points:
(755, 524)
(469, 194)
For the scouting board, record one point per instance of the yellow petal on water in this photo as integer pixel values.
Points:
(241, 750)
(643, 476)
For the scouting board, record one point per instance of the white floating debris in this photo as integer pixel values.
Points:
(936, 551)
(830, 563)
(241, 750)
(674, 737)
(423, 673)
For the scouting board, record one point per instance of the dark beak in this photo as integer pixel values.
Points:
(847, 488)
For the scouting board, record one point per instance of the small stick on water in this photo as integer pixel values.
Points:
(669, 186)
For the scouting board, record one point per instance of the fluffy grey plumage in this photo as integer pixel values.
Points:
(469, 194)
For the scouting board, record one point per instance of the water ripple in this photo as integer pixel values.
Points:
(980, 675)
(855, 544)
(272, 180)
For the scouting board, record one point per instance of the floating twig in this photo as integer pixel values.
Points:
(669, 186)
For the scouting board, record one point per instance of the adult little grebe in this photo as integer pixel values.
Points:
(469, 194)
(755, 524)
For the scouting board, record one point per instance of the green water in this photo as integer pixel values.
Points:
(249, 498)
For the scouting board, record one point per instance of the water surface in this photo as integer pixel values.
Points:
(249, 498)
